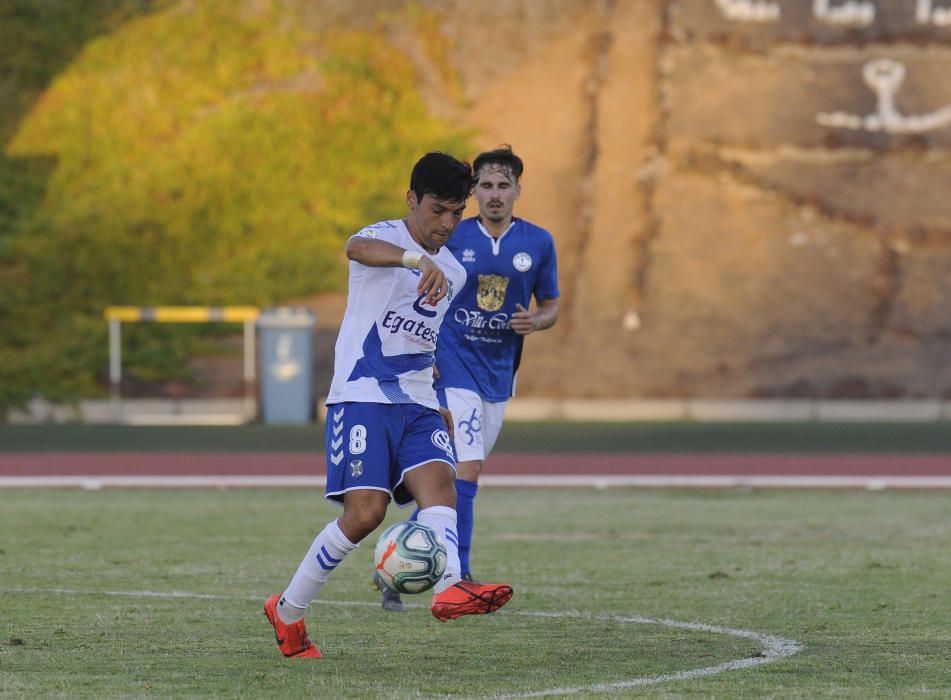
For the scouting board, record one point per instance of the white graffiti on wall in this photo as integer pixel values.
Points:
(749, 10)
(884, 76)
(851, 13)
(938, 16)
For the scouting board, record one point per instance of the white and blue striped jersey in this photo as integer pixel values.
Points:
(387, 341)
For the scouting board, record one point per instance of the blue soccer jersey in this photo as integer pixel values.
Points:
(477, 348)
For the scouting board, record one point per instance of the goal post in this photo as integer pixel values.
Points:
(117, 315)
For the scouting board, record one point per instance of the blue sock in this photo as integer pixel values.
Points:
(465, 500)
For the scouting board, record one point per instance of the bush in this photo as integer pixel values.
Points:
(205, 153)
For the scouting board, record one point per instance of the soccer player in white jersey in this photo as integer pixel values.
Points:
(508, 261)
(386, 437)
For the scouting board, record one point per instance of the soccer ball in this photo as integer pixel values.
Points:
(409, 557)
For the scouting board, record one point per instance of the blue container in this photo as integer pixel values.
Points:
(287, 387)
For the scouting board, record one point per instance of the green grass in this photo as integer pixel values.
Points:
(860, 579)
(553, 436)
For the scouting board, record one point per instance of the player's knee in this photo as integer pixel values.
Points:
(440, 494)
(470, 470)
(363, 518)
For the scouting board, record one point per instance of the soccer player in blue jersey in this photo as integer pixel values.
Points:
(386, 437)
(507, 261)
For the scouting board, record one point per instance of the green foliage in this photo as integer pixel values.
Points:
(40, 38)
(205, 153)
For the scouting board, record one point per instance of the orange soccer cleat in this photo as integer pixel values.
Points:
(292, 639)
(470, 598)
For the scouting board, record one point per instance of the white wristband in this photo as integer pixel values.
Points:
(411, 260)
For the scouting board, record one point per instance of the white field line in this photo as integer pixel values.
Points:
(773, 648)
(872, 483)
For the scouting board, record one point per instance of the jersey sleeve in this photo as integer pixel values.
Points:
(546, 284)
(378, 232)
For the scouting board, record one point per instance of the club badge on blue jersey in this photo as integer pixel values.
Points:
(491, 293)
(522, 262)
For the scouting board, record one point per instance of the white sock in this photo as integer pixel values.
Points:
(327, 551)
(442, 520)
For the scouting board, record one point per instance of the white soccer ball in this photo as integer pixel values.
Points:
(409, 557)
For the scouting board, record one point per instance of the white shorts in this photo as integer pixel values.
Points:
(477, 422)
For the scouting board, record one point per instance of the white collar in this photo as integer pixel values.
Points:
(496, 242)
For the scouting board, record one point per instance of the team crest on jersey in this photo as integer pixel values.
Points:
(522, 262)
(367, 233)
(491, 293)
(468, 255)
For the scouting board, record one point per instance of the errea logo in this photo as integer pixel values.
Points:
(468, 255)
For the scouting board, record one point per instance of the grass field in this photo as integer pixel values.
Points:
(159, 593)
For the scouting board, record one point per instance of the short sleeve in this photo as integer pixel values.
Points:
(546, 284)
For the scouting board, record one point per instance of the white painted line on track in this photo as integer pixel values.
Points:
(95, 482)
(874, 483)
(773, 648)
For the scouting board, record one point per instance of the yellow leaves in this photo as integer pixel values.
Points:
(212, 154)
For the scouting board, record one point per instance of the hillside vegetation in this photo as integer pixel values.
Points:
(187, 153)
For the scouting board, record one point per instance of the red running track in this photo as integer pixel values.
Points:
(43, 464)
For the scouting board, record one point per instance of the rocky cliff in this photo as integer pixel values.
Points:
(748, 196)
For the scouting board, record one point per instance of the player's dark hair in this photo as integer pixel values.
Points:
(442, 176)
(501, 156)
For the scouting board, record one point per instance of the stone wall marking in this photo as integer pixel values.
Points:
(750, 10)
(853, 13)
(938, 16)
(884, 76)
(850, 13)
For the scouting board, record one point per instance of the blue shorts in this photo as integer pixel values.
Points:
(373, 445)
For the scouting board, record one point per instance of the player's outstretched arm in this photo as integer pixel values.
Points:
(375, 253)
(524, 321)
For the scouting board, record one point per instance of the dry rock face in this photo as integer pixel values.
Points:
(750, 197)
